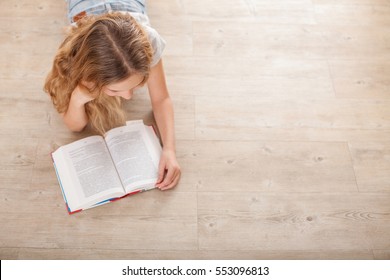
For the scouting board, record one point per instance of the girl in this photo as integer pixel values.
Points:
(110, 51)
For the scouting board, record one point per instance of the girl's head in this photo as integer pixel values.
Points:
(110, 53)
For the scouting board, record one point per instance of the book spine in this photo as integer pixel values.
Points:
(70, 212)
(128, 194)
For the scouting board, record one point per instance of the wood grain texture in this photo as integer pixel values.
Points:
(268, 167)
(260, 221)
(252, 118)
(382, 254)
(93, 254)
(361, 79)
(372, 166)
(282, 124)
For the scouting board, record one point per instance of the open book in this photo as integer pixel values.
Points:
(97, 170)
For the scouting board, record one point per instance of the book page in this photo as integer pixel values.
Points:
(90, 164)
(135, 158)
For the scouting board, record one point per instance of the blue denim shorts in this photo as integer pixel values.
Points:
(98, 7)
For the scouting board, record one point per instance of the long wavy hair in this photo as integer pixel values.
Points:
(99, 49)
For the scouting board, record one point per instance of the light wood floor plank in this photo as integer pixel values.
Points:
(42, 9)
(177, 33)
(151, 216)
(365, 79)
(364, 13)
(382, 254)
(30, 122)
(353, 2)
(37, 253)
(247, 67)
(278, 87)
(239, 118)
(372, 166)
(305, 167)
(19, 35)
(24, 65)
(259, 221)
(222, 38)
(296, 41)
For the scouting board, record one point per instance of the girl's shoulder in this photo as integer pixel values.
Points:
(155, 39)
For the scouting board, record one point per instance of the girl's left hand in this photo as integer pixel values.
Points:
(168, 171)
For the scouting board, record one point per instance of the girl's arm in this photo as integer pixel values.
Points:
(169, 169)
(75, 118)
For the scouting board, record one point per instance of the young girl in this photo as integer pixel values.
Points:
(110, 51)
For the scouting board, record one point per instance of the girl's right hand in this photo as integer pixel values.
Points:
(82, 95)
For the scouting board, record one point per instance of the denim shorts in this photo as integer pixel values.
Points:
(98, 7)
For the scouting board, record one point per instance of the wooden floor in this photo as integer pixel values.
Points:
(283, 134)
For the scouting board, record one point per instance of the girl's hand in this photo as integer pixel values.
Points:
(75, 116)
(168, 171)
(82, 94)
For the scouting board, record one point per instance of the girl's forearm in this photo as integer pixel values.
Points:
(162, 106)
(164, 115)
(75, 118)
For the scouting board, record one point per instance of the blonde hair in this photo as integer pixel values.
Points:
(100, 49)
